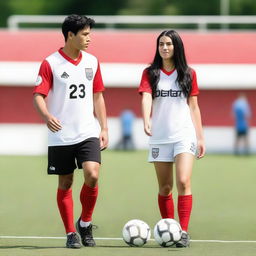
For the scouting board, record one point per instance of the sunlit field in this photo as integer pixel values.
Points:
(222, 223)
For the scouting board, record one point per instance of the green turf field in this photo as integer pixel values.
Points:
(224, 206)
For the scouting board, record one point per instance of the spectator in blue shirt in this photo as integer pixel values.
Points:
(127, 119)
(242, 115)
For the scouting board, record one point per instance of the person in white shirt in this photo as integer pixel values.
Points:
(169, 90)
(68, 91)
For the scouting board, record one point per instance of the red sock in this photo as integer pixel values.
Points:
(184, 210)
(65, 204)
(88, 198)
(166, 206)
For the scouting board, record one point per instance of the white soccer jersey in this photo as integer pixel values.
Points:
(69, 86)
(171, 119)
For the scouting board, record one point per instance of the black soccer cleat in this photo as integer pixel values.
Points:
(73, 241)
(85, 234)
(184, 241)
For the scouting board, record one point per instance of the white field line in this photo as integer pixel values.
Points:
(120, 239)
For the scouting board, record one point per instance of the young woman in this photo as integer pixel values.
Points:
(169, 88)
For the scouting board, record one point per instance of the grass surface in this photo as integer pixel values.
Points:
(224, 205)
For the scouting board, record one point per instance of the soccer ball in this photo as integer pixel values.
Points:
(136, 232)
(167, 232)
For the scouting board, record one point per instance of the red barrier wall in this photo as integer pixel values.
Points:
(128, 47)
(16, 104)
(132, 47)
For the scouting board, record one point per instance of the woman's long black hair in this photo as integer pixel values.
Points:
(184, 73)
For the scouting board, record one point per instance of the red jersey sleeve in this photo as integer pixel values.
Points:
(44, 79)
(144, 83)
(194, 90)
(98, 85)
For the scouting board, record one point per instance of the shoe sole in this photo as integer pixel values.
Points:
(74, 247)
(180, 245)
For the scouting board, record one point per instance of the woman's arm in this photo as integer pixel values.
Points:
(146, 111)
(196, 119)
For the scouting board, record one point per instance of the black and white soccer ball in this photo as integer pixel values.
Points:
(167, 232)
(136, 232)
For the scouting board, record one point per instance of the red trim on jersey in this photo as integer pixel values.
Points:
(194, 90)
(98, 85)
(75, 62)
(45, 72)
(167, 72)
(144, 83)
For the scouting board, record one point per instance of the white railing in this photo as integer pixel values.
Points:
(210, 76)
(110, 21)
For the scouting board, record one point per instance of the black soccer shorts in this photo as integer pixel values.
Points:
(65, 159)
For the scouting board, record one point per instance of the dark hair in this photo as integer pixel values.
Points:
(184, 77)
(74, 23)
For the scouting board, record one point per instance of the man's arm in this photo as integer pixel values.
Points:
(40, 105)
(100, 112)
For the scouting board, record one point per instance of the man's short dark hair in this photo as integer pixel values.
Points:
(74, 23)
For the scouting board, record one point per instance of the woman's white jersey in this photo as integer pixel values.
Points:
(69, 86)
(171, 118)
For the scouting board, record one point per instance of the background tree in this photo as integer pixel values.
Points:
(122, 7)
(243, 7)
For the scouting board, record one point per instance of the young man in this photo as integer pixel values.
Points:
(68, 92)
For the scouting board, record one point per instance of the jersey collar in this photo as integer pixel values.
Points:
(75, 62)
(168, 73)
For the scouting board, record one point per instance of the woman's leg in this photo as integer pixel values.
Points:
(184, 165)
(164, 172)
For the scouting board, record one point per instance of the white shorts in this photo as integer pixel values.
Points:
(167, 152)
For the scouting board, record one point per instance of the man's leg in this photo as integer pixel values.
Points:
(88, 198)
(65, 205)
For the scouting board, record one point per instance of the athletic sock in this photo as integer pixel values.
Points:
(65, 205)
(184, 210)
(166, 206)
(85, 224)
(88, 198)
